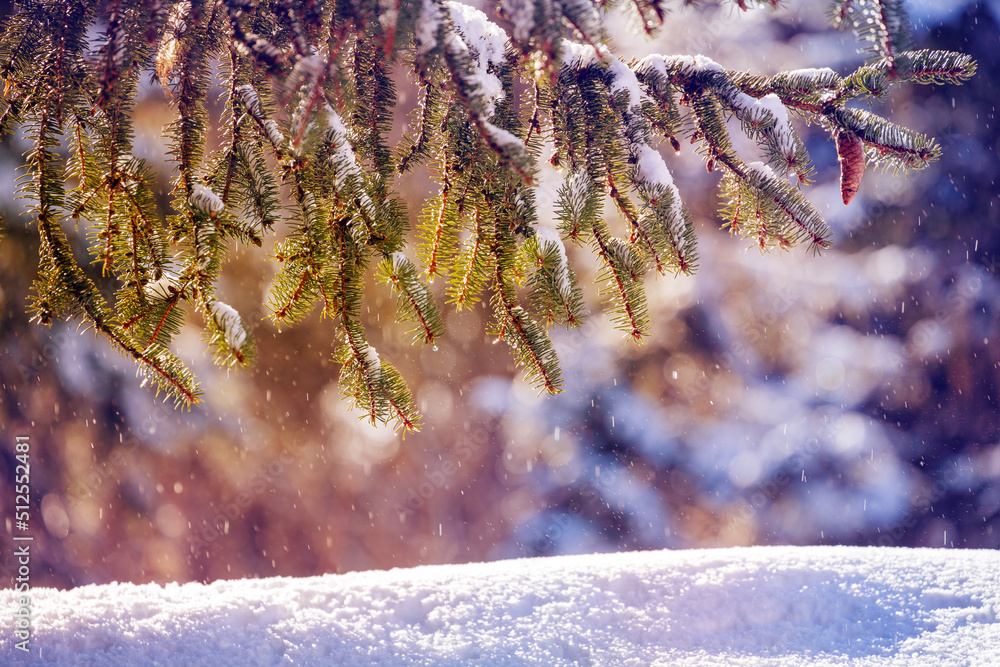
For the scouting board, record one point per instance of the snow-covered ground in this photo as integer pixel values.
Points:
(741, 606)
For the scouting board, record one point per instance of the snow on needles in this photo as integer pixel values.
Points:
(253, 104)
(344, 157)
(168, 283)
(205, 200)
(489, 42)
(502, 137)
(651, 170)
(311, 66)
(811, 73)
(763, 169)
(769, 107)
(163, 288)
(229, 321)
(650, 165)
(624, 79)
(427, 26)
(697, 63)
(572, 54)
(344, 160)
(372, 360)
(485, 41)
(775, 606)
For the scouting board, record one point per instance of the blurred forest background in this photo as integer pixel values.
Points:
(850, 398)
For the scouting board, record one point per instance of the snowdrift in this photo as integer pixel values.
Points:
(752, 606)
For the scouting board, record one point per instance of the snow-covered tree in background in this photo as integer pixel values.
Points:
(308, 104)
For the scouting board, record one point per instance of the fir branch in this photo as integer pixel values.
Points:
(113, 55)
(258, 47)
(555, 292)
(415, 302)
(475, 263)
(623, 274)
(471, 60)
(806, 90)
(228, 334)
(430, 115)
(921, 67)
(62, 282)
(578, 205)
(578, 209)
(529, 342)
(882, 24)
(374, 386)
(257, 190)
(310, 101)
(165, 370)
(303, 259)
(374, 100)
(933, 67)
(157, 309)
(535, 124)
(888, 144)
(255, 109)
(778, 197)
(764, 119)
(435, 226)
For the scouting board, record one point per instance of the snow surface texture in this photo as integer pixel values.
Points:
(743, 606)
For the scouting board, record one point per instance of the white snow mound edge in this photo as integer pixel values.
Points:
(741, 606)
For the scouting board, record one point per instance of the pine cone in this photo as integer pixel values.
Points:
(852, 164)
